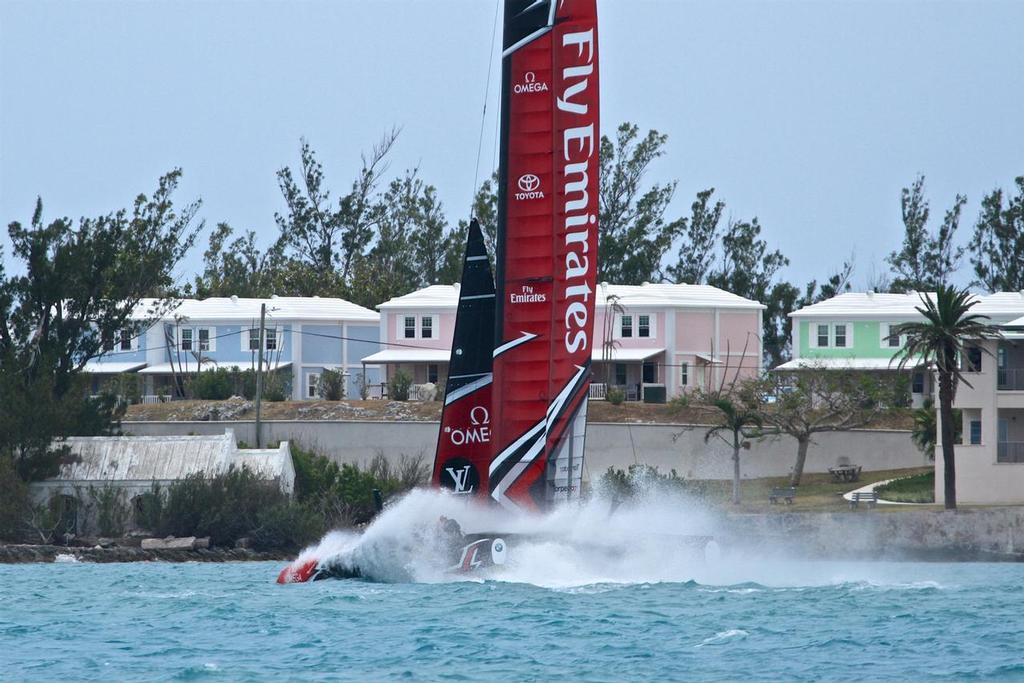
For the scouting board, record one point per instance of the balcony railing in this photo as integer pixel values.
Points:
(598, 391)
(1010, 451)
(1010, 379)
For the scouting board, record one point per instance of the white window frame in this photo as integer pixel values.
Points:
(885, 330)
(191, 339)
(250, 334)
(849, 335)
(313, 385)
(632, 326)
(405, 327)
(813, 335)
(211, 338)
(652, 327)
(684, 374)
(133, 341)
(433, 326)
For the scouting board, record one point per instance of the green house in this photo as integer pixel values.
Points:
(852, 331)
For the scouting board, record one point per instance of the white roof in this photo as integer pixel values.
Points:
(620, 355)
(169, 458)
(647, 294)
(97, 366)
(190, 366)
(278, 308)
(842, 364)
(878, 305)
(409, 356)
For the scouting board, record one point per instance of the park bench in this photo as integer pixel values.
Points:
(869, 497)
(786, 493)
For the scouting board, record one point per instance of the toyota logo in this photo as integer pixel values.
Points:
(528, 182)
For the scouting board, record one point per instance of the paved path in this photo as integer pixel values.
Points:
(871, 487)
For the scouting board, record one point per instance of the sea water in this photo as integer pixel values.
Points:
(819, 621)
(593, 592)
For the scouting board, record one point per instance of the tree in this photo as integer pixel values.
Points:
(697, 251)
(239, 267)
(634, 233)
(326, 242)
(816, 400)
(739, 419)
(940, 341)
(997, 247)
(83, 286)
(925, 262)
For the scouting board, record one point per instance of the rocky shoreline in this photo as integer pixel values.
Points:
(29, 554)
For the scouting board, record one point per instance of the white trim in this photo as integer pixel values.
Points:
(211, 338)
(634, 317)
(884, 330)
(435, 321)
(848, 328)
(315, 393)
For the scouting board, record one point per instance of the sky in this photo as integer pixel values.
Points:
(809, 115)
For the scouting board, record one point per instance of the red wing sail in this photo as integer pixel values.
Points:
(547, 250)
(464, 443)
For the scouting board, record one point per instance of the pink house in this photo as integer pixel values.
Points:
(648, 337)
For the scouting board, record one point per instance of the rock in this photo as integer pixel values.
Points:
(203, 543)
(170, 543)
(244, 542)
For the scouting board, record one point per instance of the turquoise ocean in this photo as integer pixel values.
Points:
(798, 621)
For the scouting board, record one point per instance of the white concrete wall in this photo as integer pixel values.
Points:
(666, 446)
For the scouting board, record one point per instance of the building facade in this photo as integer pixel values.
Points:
(853, 331)
(990, 454)
(675, 338)
(303, 336)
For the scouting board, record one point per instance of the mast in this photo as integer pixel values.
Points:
(546, 250)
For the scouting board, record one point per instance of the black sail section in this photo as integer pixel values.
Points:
(463, 447)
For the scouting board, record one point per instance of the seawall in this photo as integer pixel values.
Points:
(679, 447)
(965, 534)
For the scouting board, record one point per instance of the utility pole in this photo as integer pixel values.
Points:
(259, 376)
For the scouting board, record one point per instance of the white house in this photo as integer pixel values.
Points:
(680, 337)
(303, 336)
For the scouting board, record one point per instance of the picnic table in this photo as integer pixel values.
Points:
(844, 473)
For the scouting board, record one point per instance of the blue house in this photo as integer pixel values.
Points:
(303, 337)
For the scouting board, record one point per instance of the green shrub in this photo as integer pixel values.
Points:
(332, 385)
(287, 526)
(399, 385)
(680, 402)
(213, 385)
(111, 511)
(364, 386)
(615, 396)
(14, 501)
(148, 509)
(640, 480)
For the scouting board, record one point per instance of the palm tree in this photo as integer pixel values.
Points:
(939, 341)
(736, 418)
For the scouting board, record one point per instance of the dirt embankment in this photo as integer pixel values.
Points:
(426, 411)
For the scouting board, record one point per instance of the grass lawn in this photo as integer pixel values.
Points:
(816, 493)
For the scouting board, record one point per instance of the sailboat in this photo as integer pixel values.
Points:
(514, 417)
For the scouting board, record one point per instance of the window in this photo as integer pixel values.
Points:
(626, 329)
(975, 432)
(125, 340)
(620, 374)
(432, 373)
(1001, 357)
(822, 335)
(185, 334)
(840, 336)
(410, 327)
(313, 385)
(650, 373)
(205, 343)
(254, 339)
(108, 341)
(643, 326)
(973, 359)
(917, 383)
(427, 327)
(889, 340)
(684, 375)
(270, 338)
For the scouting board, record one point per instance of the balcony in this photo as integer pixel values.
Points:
(1010, 379)
(1010, 452)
